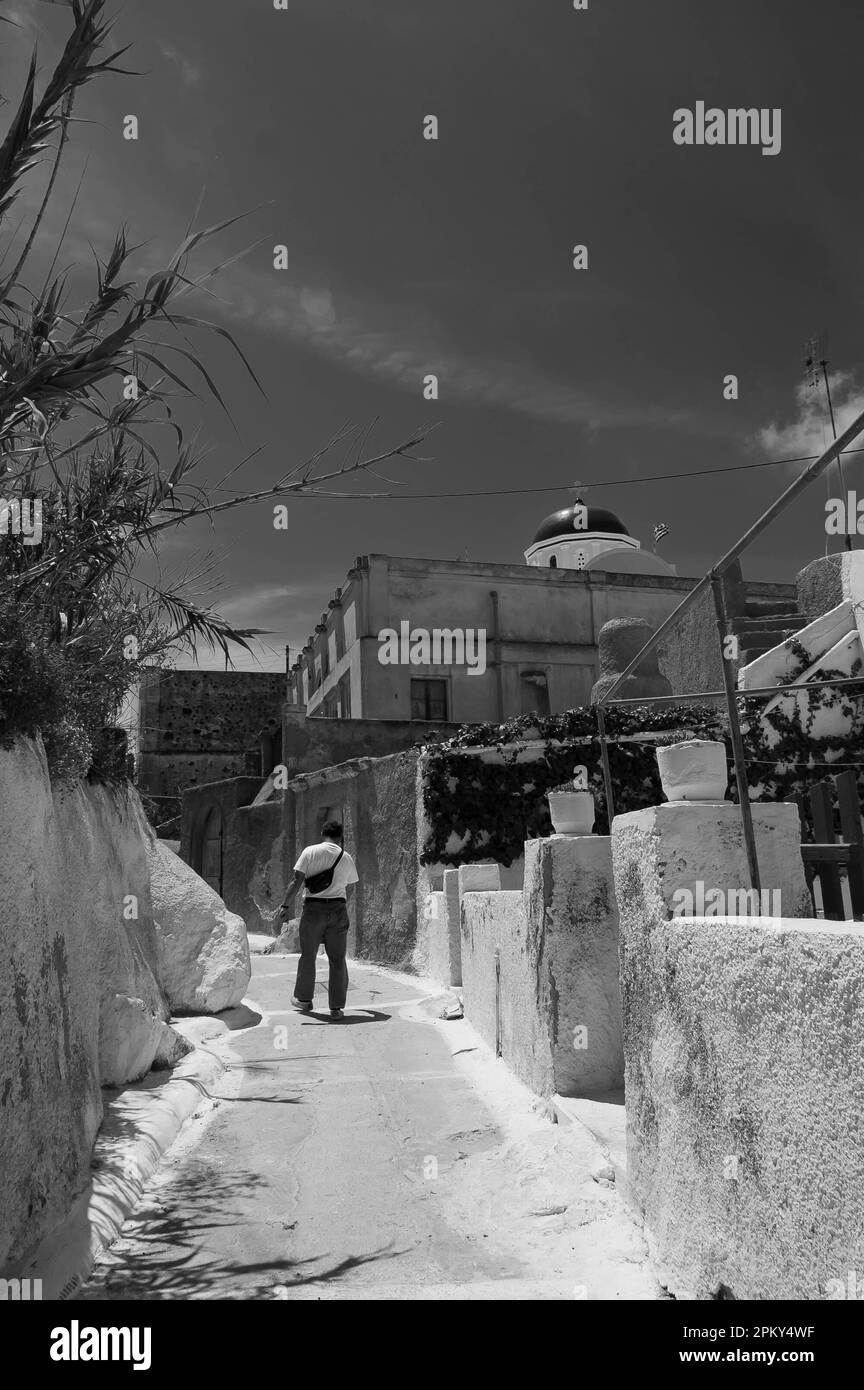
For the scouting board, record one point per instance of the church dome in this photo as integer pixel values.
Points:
(560, 524)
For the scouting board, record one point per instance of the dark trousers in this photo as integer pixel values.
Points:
(323, 919)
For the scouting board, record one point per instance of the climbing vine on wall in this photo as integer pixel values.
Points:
(484, 805)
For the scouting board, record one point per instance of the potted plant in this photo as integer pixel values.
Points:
(571, 809)
(693, 769)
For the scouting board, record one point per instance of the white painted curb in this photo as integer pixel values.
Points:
(64, 1259)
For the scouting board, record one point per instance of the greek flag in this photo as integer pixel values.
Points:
(660, 530)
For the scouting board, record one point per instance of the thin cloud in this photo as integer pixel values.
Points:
(374, 341)
(809, 430)
(192, 73)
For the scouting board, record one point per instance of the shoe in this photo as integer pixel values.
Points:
(337, 1013)
(301, 1006)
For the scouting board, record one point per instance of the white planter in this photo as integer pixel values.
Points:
(572, 812)
(694, 771)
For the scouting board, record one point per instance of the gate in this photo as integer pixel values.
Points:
(841, 894)
(211, 850)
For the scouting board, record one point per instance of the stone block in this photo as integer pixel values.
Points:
(570, 908)
(479, 878)
(744, 1061)
(540, 968)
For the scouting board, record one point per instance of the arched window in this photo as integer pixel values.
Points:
(553, 562)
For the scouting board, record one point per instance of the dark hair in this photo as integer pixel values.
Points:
(332, 830)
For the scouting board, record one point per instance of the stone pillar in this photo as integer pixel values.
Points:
(572, 918)
(744, 1062)
(478, 878)
(451, 925)
(670, 850)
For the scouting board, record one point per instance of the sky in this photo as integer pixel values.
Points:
(408, 256)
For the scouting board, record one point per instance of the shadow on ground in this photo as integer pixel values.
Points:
(167, 1247)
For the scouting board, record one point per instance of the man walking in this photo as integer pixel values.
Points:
(326, 871)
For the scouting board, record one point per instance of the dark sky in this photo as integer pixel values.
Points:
(454, 257)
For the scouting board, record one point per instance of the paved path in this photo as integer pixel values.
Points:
(383, 1156)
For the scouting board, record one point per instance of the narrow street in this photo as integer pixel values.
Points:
(384, 1156)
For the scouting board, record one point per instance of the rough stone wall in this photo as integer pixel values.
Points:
(689, 656)
(255, 866)
(76, 976)
(572, 920)
(311, 744)
(493, 923)
(198, 802)
(744, 1062)
(752, 1178)
(820, 586)
(551, 954)
(375, 800)
(197, 726)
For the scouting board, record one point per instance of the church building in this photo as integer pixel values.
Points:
(512, 638)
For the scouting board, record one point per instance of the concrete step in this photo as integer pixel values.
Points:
(770, 607)
(767, 637)
(793, 621)
(749, 654)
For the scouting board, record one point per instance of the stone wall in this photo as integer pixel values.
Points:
(211, 803)
(311, 744)
(78, 984)
(540, 968)
(256, 867)
(690, 654)
(744, 1061)
(200, 726)
(84, 976)
(375, 800)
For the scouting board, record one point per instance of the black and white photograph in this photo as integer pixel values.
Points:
(431, 673)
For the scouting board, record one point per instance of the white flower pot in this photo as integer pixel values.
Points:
(694, 771)
(572, 812)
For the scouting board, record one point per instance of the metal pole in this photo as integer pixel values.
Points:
(737, 741)
(607, 771)
(811, 472)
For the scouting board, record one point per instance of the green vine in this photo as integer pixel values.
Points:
(484, 805)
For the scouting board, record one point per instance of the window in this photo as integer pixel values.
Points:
(553, 562)
(345, 696)
(428, 699)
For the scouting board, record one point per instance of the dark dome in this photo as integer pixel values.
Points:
(560, 524)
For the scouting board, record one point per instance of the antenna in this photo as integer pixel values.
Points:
(816, 365)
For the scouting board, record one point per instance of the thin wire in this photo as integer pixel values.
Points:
(605, 482)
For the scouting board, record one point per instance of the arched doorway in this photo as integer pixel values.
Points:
(211, 850)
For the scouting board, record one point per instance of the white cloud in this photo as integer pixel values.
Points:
(809, 430)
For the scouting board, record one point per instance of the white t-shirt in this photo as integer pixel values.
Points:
(316, 858)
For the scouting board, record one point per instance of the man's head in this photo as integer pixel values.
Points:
(332, 830)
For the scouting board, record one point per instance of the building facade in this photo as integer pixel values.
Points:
(502, 639)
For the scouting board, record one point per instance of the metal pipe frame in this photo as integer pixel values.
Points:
(813, 471)
(713, 579)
